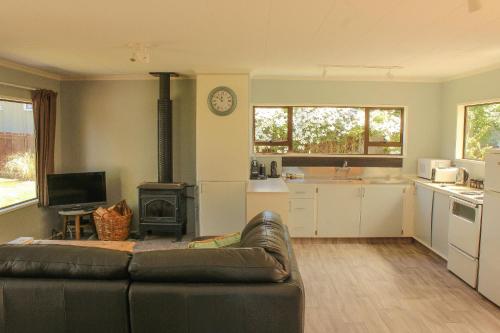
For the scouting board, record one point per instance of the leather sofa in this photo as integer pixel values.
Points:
(252, 287)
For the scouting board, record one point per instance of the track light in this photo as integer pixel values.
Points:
(474, 5)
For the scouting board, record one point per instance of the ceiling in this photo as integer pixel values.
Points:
(429, 39)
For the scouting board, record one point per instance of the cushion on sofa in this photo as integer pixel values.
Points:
(61, 261)
(206, 265)
(266, 231)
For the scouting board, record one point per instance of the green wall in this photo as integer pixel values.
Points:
(111, 126)
(422, 100)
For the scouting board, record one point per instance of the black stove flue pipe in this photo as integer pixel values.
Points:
(165, 162)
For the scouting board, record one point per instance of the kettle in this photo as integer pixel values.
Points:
(274, 170)
(462, 176)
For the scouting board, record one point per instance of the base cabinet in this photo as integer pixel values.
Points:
(423, 213)
(339, 210)
(301, 221)
(382, 211)
(440, 212)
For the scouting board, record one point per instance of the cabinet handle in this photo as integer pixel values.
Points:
(300, 192)
(289, 206)
(299, 208)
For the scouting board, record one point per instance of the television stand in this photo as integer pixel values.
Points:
(77, 216)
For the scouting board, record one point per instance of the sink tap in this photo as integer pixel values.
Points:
(344, 165)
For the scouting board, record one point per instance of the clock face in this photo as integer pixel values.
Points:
(222, 101)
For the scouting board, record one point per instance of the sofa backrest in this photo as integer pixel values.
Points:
(262, 257)
(62, 262)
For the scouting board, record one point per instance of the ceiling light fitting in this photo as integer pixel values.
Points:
(140, 53)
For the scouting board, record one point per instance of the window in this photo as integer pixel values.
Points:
(481, 130)
(17, 154)
(328, 130)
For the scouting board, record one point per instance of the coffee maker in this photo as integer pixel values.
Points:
(254, 169)
(274, 170)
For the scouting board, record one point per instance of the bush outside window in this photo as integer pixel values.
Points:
(328, 130)
(17, 154)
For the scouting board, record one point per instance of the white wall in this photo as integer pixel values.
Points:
(111, 126)
(29, 221)
(477, 88)
(422, 100)
(222, 141)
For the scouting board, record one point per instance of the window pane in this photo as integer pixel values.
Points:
(385, 125)
(271, 124)
(482, 130)
(17, 154)
(376, 150)
(271, 149)
(328, 130)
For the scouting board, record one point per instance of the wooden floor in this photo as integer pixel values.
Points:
(362, 286)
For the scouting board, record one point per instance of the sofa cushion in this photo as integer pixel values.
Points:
(61, 261)
(267, 231)
(207, 265)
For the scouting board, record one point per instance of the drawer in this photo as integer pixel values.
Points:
(301, 191)
(463, 265)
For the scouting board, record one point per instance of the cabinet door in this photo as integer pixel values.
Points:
(440, 213)
(339, 208)
(423, 213)
(222, 207)
(301, 221)
(382, 211)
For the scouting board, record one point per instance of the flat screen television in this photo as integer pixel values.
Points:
(76, 190)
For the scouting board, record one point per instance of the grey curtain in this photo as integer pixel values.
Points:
(44, 112)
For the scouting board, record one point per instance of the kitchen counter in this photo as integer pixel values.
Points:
(270, 185)
(363, 181)
(453, 190)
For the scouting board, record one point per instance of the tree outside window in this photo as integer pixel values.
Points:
(481, 130)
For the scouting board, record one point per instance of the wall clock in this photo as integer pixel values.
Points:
(222, 101)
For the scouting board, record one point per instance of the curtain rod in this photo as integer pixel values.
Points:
(17, 86)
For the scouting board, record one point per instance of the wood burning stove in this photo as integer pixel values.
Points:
(162, 205)
(162, 208)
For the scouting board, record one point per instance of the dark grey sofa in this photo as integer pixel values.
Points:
(253, 287)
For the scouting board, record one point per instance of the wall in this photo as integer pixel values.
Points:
(29, 221)
(112, 126)
(222, 141)
(469, 90)
(422, 99)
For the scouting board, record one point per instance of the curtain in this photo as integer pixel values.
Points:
(44, 113)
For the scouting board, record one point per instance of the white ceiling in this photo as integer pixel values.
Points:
(430, 39)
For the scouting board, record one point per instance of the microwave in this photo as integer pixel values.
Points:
(426, 165)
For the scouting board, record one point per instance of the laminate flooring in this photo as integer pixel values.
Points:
(386, 286)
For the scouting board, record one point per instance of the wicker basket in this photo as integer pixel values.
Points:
(113, 223)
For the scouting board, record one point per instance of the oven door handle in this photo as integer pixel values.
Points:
(464, 203)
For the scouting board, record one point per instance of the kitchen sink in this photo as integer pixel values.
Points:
(477, 193)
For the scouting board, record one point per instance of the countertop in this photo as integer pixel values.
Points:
(453, 190)
(363, 181)
(269, 185)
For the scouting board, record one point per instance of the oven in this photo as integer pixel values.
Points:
(464, 235)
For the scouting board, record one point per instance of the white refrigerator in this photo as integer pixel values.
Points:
(489, 263)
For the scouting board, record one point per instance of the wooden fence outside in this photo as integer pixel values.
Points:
(15, 143)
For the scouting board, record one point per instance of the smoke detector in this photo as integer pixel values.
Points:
(140, 52)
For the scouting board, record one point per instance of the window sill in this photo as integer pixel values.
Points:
(18, 206)
(464, 160)
(330, 155)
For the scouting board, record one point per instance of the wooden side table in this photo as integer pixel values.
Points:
(77, 215)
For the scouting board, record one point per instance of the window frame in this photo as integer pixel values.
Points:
(367, 109)
(27, 202)
(464, 129)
